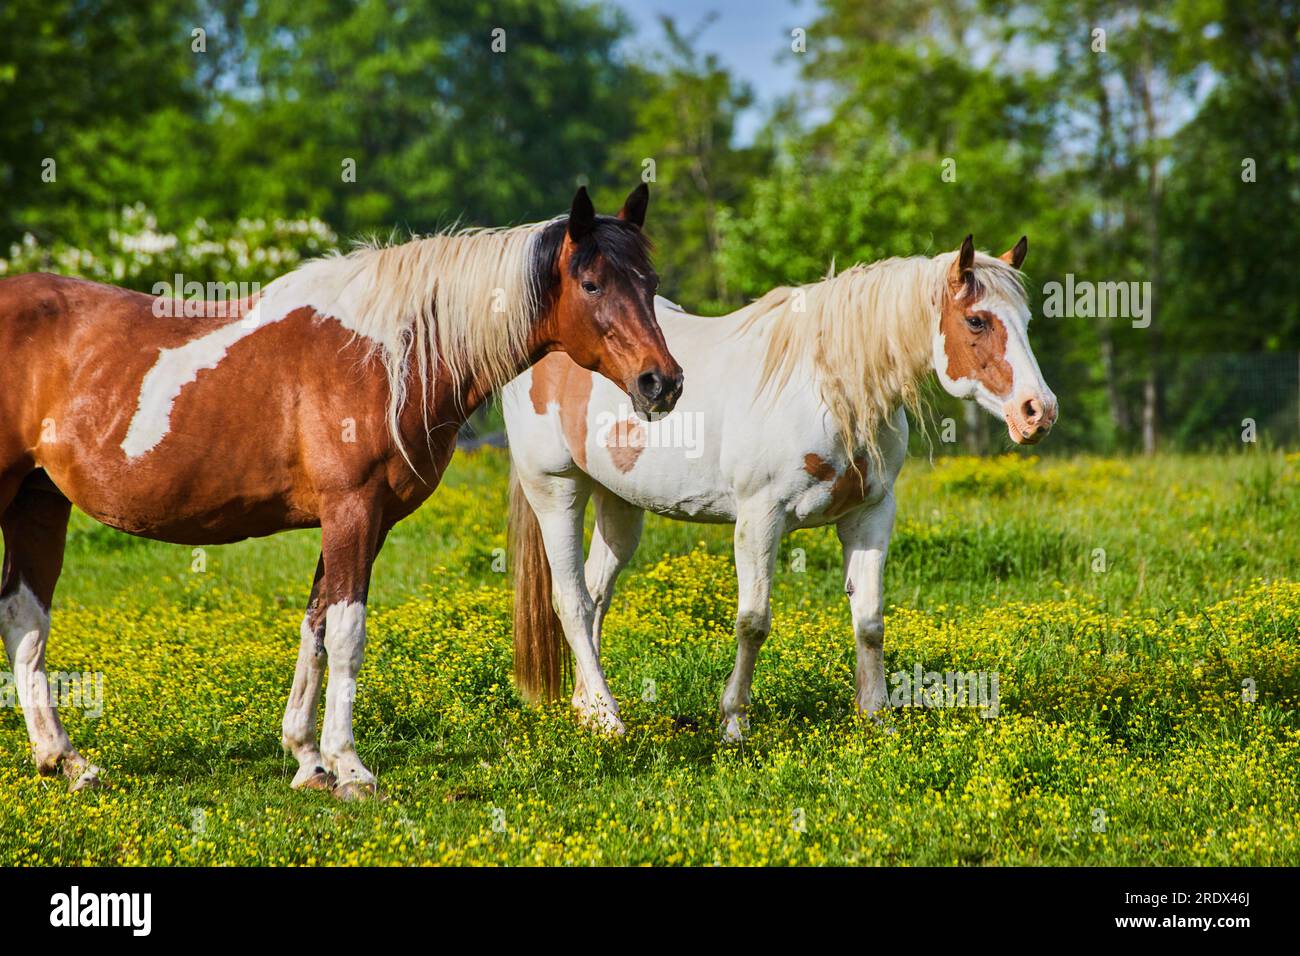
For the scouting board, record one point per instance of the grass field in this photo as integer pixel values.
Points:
(1147, 711)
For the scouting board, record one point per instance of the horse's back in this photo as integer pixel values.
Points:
(128, 402)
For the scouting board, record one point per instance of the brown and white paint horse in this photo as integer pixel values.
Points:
(795, 418)
(330, 400)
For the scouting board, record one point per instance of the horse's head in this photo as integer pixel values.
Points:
(981, 347)
(600, 306)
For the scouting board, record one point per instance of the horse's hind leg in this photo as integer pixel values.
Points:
(35, 525)
(613, 543)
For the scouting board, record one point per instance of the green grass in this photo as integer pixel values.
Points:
(1122, 734)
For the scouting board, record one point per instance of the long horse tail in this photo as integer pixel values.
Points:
(541, 655)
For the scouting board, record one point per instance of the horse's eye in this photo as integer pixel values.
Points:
(590, 287)
(975, 323)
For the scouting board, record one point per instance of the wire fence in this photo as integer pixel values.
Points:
(1222, 399)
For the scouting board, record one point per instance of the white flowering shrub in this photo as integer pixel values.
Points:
(137, 255)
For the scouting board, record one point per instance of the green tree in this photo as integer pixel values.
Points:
(463, 110)
(684, 136)
(97, 87)
(1234, 190)
(460, 110)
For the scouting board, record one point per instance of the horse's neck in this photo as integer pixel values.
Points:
(723, 338)
(431, 416)
(827, 381)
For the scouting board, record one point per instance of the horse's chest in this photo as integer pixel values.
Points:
(831, 488)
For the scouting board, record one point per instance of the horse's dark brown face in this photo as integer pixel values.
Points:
(602, 309)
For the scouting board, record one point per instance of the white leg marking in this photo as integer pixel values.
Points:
(345, 641)
(299, 728)
(559, 504)
(758, 534)
(613, 542)
(865, 536)
(26, 626)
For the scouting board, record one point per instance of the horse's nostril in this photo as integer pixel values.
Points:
(651, 386)
(1032, 411)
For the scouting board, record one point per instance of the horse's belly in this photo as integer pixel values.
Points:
(190, 520)
(176, 494)
(667, 482)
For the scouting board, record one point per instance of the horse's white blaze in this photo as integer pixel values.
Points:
(1027, 377)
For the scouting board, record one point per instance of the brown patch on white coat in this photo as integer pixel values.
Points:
(556, 380)
(625, 441)
(850, 488)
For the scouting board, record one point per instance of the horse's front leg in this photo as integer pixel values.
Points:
(864, 534)
(298, 731)
(559, 504)
(351, 536)
(759, 526)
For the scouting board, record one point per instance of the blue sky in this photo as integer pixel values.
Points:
(750, 37)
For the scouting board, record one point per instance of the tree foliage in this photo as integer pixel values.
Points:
(1132, 141)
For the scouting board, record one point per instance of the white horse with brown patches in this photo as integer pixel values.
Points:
(793, 417)
(331, 401)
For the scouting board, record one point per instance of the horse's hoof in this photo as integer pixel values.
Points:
(877, 721)
(604, 722)
(611, 725)
(357, 790)
(87, 780)
(735, 729)
(317, 778)
(601, 718)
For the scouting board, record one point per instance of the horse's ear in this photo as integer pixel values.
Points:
(1016, 255)
(582, 215)
(961, 275)
(635, 206)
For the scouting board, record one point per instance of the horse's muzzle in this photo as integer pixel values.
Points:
(1030, 418)
(656, 392)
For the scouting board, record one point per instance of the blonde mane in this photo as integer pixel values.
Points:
(455, 303)
(866, 336)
